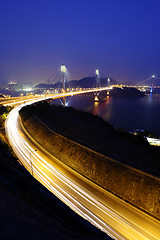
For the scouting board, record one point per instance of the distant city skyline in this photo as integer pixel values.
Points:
(120, 38)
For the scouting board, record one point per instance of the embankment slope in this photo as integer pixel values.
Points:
(134, 186)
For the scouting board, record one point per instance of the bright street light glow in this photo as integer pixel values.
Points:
(63, 68)
(153, 76)
(28, 89)
(97, 72)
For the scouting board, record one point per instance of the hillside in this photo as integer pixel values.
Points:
(88, 82)
(127, 92)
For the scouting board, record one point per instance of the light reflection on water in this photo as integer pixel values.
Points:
(125, 113)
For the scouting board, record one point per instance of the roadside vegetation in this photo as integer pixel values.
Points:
(3, 114)
(4, 111)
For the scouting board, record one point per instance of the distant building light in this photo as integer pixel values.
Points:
(13, 86)
(28, 89)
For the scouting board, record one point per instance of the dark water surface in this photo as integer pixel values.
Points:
(123, 113)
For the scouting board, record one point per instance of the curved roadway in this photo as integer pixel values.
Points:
(107, 212)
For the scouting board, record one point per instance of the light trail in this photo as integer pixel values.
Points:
(112, 215)
(153, 141)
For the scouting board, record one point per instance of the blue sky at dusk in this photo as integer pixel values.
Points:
(121, 38)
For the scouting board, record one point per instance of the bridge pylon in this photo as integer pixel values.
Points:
(97, 85)
(63, 80)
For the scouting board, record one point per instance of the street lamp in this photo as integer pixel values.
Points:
(31, 160)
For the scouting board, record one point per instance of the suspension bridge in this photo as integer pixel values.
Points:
(66, 91)
(146, 85)
(149, 83)
(64, 86)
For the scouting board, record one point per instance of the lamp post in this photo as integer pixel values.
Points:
(31, 160)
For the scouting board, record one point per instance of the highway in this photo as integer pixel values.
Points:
(112, 215)
(15, 101)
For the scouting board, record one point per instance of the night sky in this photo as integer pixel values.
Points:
(121, 38)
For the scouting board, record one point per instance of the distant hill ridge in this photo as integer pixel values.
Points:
(87, 82)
